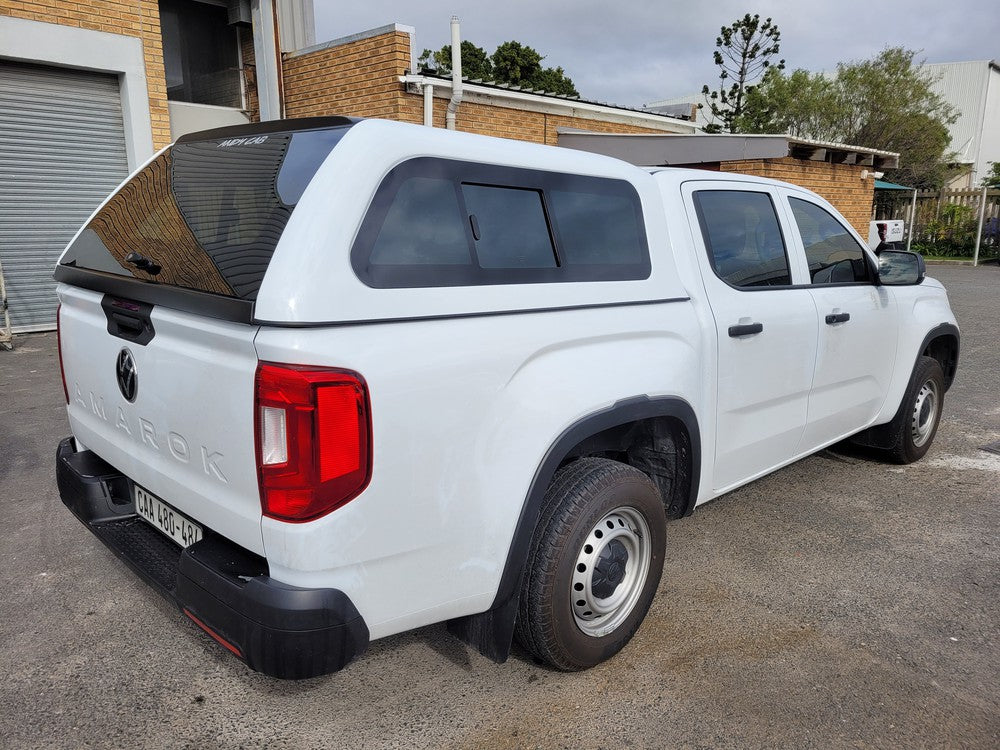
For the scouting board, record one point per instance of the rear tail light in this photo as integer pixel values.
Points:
(62, 369)
(313, 433)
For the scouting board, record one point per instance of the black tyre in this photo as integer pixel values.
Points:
(913, 429)
(595, 562)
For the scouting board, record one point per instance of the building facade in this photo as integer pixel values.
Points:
(91, 89)
(973, 89)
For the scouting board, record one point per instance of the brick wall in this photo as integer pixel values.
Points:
(138, 18)
(507, 122)
(841, 184)
(359, 78)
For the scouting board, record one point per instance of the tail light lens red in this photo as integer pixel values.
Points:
(313, 433)
(62, 369)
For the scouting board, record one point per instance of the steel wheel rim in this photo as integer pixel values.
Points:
(924, 414)
(623, 528)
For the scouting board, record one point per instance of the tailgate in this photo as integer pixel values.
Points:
(187, 435)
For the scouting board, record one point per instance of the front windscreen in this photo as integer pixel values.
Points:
(205, 214)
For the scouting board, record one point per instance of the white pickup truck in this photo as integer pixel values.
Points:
(329, 380)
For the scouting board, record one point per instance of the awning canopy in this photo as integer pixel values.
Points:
(686, 149)
(883, 185)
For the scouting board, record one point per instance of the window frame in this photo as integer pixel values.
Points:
(865, 251)
(460, 172)
(710, 255)
(185, 60)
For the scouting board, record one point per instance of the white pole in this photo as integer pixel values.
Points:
(428, 105)
(456, 74)
(913, 219)
(979, 231)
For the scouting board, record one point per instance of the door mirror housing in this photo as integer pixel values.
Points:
(900, 268)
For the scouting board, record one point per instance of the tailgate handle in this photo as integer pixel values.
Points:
(129, 320)
(127, 325)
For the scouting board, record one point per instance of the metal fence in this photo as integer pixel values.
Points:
(946, 223)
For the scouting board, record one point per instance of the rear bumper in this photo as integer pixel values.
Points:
(280, 630)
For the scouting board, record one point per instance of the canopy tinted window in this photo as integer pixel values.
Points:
(438, 222)
(206, 214)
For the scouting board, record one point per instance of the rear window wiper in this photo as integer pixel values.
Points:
(143, 263)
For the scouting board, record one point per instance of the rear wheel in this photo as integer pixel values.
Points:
(914, 427)
(594, 566)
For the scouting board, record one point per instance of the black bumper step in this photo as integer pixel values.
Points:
(283, 631)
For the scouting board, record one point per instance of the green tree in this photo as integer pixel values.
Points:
(886, 103)
(512, 63)
(520, 65)
(743, 54)
(992, 178)
(476, 61)
(801, 104)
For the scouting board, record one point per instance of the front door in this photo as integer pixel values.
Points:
(857, 322)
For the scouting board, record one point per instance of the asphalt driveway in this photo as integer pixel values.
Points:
(840, 602)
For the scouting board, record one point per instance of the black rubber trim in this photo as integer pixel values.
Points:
(944, 329)
(748, 329)
(491, 632)
(459, 316)
(292, 125)
(178, 298)
(280, 630)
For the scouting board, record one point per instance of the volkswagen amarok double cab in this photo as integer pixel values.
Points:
(331, 379)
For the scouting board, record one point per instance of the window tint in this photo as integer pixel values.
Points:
(597, 228)
(509, 227)
(743, 238)
(834, 256)
(438, 222)
(424, 226)
(209, 213)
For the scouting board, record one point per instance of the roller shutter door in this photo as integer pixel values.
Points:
(62, 150)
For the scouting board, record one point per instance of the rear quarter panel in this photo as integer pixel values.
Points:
(463, 411)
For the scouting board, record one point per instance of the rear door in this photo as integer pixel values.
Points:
(857, 322)
(766, 328)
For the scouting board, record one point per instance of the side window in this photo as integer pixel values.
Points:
(743, 237)
(833, 255)
(440, 222)
(423, 226)
(597, 228)
(509, 227)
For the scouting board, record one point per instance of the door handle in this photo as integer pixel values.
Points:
(746, 329)
(837, 318)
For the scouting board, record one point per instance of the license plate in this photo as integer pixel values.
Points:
(174, 524)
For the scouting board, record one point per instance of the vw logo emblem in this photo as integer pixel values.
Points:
(128, 380)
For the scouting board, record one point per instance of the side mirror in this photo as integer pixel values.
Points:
(900, 268)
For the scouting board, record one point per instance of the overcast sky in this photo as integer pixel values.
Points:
(632, 52)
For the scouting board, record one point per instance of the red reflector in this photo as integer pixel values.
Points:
(339, 436)
(318, 457)
(215, 636)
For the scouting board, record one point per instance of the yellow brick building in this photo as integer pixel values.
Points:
(91, 89)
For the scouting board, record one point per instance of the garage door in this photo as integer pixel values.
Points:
(62, 150)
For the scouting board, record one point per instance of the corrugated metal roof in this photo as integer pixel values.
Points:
(547, 94)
